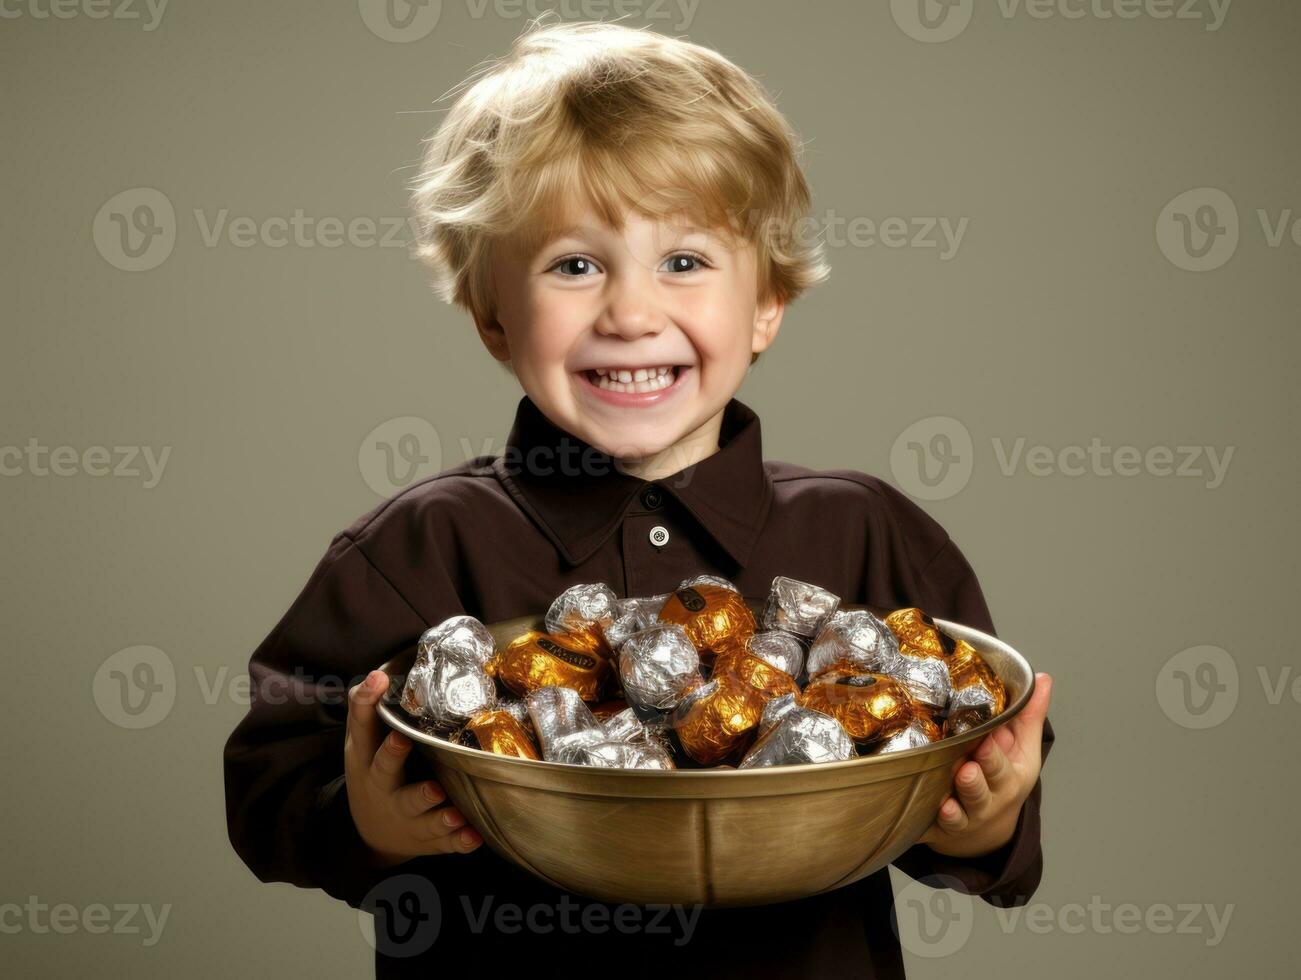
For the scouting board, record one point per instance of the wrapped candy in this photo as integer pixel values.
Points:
(797, 607)
(978, 694)
(562, 721)
(535, 659)
(918, 635)
(922, 730)
(691, 583)
(718, 719)
(799, 736)
(763, 677)
(870, 707)
(775, 709)
(633, 614)
(859, 640)
(657, 666)
(463, 637)
(620, 755)
(447, 691)
(779, 648)
(648, 735)
(713, 616)
(501, 732)
(852, 636)
(585, 612)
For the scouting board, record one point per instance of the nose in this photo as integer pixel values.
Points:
(632, 307)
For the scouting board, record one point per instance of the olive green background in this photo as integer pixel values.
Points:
(1058, 320)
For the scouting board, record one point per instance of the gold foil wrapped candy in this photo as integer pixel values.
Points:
(502, 733)
(918, 635)
(922, 730)
(718, 719)
(978, 694)
(870, 707)
(714, 617)
(536, 659)
(762, 676)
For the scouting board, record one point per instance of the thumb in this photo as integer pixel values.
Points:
(363, 738)
(1028, 726)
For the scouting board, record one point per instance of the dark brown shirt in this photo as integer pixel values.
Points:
(499, 537)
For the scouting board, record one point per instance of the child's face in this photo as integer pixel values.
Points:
(656, 295)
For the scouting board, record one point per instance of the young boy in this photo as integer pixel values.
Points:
(617, 211)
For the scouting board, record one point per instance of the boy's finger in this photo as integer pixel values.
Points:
(445, 829)
(973, 791)
(418, 798)
(361, 737)
(993, 763)
(387, 766)
(1028, 726)
(952, 817)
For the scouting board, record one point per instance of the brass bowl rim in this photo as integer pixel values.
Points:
(393, 718)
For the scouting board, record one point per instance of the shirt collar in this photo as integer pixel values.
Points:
(578, 496)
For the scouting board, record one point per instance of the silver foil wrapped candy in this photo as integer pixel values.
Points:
(800, 736)
(657, 666)
(688, 583)
(562, 721)
(797, 607)
(463, 637)
(779, 648)
(580, 608)
(446, 691)
(633, 614)
(855, 636)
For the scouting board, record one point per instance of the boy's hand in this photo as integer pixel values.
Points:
(397, 821)
(992, 788)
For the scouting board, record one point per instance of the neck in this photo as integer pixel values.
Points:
(687, 451)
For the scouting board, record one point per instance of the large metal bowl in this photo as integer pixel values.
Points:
(709, 837)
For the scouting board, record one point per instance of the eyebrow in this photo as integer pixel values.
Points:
(580, 231)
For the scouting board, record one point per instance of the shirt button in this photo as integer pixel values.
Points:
(659, 535)
(651, 498)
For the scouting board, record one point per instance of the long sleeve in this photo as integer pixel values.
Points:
(286, 802)
(1010, 875)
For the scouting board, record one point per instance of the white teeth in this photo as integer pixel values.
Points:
(641, 379)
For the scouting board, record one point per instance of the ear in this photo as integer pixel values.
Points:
(493, 335)
(767, 321)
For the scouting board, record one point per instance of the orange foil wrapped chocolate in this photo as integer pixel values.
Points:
(718, 720)
(536, 659)
(978, 694)
(918, 635)
(870, 707)
(768, 680)
(715, 618)
(500, 732)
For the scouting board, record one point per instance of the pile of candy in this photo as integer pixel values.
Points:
(690, 679)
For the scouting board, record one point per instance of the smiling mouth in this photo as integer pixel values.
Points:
(635, 380)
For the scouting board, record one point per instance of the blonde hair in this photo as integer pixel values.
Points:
(620, 118)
